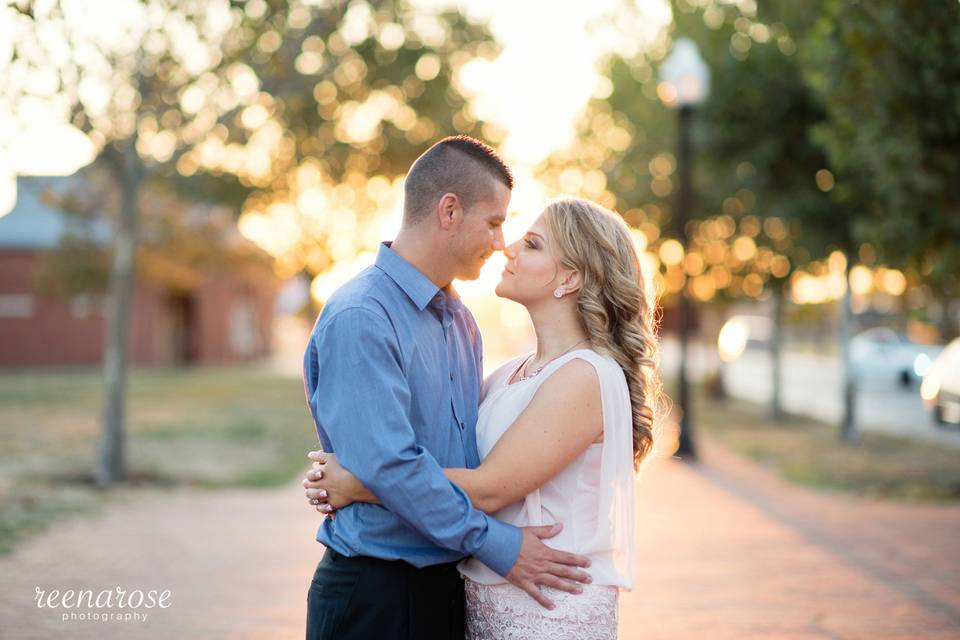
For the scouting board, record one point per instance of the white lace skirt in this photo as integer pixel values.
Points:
(506, 612)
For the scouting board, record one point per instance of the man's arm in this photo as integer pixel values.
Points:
(562, 420)
(358, 393)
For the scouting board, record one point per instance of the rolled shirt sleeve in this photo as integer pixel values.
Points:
(360, 399)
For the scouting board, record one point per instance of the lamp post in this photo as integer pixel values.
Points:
(684, 84)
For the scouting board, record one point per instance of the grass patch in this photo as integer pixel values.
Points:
(809, 452)
(205, 428)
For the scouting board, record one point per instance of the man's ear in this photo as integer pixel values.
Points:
(449, 209)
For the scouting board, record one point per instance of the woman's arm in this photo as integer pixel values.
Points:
(563, 419)
(329, 486)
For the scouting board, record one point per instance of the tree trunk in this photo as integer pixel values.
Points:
(947, 325)
(716, 387)
(129, 172)
(776, 351)
(848, 425)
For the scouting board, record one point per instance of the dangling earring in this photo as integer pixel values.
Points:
(558, 293)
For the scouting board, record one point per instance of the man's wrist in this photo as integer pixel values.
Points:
(501, 546)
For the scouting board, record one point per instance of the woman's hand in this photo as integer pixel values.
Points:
(330, 487)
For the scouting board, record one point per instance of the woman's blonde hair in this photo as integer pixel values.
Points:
(616, 310)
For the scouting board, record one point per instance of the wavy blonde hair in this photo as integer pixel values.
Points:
(616, 310)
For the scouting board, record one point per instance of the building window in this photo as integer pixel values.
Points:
(16, 305)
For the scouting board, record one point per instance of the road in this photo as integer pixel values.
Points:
(811, 386)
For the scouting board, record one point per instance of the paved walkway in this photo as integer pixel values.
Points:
(726, 550)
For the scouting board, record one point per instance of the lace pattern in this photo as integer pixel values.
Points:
(506, 612)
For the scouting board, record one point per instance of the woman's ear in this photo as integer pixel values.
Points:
(572, 281)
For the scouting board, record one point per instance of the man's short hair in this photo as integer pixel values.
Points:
(461, 165)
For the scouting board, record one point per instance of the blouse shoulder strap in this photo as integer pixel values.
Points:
(599, 362)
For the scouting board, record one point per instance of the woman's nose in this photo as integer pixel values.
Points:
(509, 251)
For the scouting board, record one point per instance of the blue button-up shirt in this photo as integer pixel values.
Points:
(392, 374)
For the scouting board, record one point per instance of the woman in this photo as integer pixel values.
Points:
(560, 431)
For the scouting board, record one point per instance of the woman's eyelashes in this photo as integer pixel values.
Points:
(531, 244)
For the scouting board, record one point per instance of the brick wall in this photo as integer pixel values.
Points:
(229, 321)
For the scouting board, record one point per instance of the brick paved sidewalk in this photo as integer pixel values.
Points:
(726, 550)
(237, 563)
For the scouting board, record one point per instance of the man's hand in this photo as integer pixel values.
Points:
(537, 564)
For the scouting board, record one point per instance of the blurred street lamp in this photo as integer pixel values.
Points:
(684, 85)
(732, 340)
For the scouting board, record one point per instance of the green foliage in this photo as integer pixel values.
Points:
(839, 118)
(226, 102)
(354, 66)
(889, 76)
(757, 124)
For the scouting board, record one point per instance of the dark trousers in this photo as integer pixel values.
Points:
(363, 598)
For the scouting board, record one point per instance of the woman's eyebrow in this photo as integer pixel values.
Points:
(534, 233)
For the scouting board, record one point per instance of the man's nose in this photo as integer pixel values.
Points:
(499, 244)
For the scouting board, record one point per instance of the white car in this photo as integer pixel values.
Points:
(940, 389)
(882, 353)
(743, 332)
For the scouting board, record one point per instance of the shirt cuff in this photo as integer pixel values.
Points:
(500, 547)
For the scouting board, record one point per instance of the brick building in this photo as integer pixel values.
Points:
(221, 316)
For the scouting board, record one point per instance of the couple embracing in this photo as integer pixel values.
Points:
(463, 507)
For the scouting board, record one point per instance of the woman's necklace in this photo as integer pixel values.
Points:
(523, 369)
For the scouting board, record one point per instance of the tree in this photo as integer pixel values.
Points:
(239, 102)
(759, 119)
(889, 77)
(764, 182)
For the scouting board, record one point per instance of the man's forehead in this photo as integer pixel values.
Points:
(501, 192)
(498, 204)
(494, 202)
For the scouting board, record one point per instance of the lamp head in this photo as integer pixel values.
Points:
(684, 76)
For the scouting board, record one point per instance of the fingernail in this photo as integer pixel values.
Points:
(323, 494)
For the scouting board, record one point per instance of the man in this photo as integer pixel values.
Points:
(392, 374)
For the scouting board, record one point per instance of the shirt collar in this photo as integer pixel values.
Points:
(452, 298)
(417, 286)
